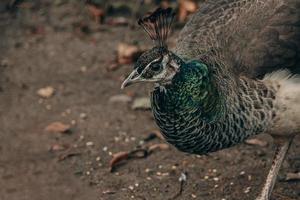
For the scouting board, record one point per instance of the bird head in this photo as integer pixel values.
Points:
(158, 64)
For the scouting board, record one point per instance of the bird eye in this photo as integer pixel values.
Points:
(156, 66)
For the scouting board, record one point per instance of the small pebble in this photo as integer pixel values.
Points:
(141, 142)
(249, 177)
(214, 171)
(46, 92)
(83, 69)
(98, 158)
(117, 139)
(88, 173)
(131, 187)
(105, 148)
(147, 170)
(216, 179)
(73, 122)
(81, 137)
(83, 115)
(247, 190)
(88, 144)
(216, 186)
(136, 184)
(68, 111)
(194, 196)
(182, 177)
(242, 172)
(206, 177)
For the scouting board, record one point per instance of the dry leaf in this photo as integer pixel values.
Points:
(158, 134)
(185, 8)
(120, 98)
(292, 176)
(68, 155)
(96, 12)
(161, 146)
(46, 92)
(118, 21)
(58, 127)
(58, 147)
(127, 53)
(142, 103)
(117, 158)
(255, 141)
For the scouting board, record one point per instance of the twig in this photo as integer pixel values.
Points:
(182, 180)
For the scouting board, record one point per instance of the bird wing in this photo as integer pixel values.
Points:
(252, 36)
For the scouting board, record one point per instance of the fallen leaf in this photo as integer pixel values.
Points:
(255, 141)
(161, 146)
(59, 147)
(151, 136)
(120, 98)
(68, 155)
(117, 158)
(96, 12)
(118, 21)
(158, 134)
(46, 92)
(58, 127)
(292, 176)
(141, 103)
(185, 8)
(108, 192)
(124, 156)
(127, 53)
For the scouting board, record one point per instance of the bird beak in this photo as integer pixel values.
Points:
(132, 78)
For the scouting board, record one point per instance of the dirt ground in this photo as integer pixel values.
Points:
(41, 46)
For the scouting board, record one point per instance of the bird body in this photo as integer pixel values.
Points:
(206, 96)
(196, 117)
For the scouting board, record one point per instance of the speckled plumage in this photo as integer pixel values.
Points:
(196, 118)
(206, 97)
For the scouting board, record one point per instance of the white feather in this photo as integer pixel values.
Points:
(287, 102)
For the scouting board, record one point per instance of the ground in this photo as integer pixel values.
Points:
(43, 47)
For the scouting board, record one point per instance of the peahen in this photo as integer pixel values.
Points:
(207, 96)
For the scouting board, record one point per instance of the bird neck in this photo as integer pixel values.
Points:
(193, 88)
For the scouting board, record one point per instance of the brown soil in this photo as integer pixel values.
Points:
(42, 46)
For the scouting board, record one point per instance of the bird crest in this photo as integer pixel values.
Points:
(158, 25)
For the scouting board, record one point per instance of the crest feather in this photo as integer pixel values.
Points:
(158, 25)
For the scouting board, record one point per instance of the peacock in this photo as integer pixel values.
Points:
(209, 91)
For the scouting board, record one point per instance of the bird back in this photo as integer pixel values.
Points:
(253, 37)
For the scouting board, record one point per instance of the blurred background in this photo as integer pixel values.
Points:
(67, 131)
